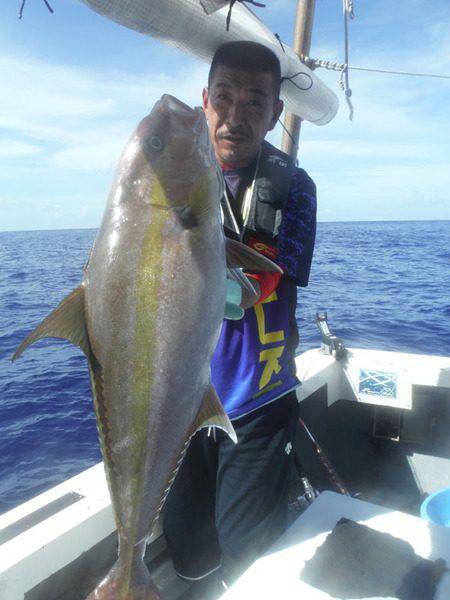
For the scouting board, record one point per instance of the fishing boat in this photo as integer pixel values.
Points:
(382, 417)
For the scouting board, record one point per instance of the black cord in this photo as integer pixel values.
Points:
(22, 6)
(281, 43)
(287, 131)
(21, 9)
(233, 2)
(50, 9)
(291, 78)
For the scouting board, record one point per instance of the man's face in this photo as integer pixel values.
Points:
(240, 108)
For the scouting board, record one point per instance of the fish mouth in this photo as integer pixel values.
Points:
(170, 103)
(174, 132)
(180, 115)
(170, 115)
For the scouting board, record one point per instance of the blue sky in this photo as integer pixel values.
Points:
(73, 86)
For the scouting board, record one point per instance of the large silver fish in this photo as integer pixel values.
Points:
(148, 316)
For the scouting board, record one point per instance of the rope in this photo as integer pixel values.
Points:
(344, 79)
(22, 6)
(400, 72)
(344, 67)
(314, 63)
(348, 7)
(233, 2)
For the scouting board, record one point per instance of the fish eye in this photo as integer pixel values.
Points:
(156, 143)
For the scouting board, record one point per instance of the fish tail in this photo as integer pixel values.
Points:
(123, 583)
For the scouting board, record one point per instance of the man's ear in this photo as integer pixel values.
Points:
(277, 110)
(205, 98)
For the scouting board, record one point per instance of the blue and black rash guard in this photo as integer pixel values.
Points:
(253, 363)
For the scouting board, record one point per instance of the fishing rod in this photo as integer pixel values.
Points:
(325, 462)
(334, 346)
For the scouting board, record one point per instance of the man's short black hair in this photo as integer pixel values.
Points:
(247, 56)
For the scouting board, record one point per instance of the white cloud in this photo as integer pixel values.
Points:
(383, 192)
(35, 90)
(65, 126)
(50, 212)
(91, 157)
(87, 114)
(358, 149)
(14, 149)
(393, 160)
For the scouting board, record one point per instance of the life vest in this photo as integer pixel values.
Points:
(263, 202)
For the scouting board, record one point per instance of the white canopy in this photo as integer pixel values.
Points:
(186, 25)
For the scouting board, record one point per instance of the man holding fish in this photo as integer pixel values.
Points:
(229, 501)
(149, 311)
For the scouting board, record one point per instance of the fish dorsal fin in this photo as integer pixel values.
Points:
(250, 295)
(66, 321)
(212, 414)
(240, 255)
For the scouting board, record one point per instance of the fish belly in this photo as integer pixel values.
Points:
(153, 323)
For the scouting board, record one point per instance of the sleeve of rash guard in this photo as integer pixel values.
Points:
(298, 229)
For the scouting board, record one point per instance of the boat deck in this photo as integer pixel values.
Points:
(386, 454)
(394, 474)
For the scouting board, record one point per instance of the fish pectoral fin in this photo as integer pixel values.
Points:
(212, 414)
(240, 255)
(66, 321)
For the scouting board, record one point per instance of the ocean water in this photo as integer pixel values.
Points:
(384, 285)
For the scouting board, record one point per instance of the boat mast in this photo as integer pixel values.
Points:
(302, 44)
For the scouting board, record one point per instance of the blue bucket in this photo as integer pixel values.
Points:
(436, 508)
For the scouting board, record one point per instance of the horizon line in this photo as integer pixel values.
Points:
(319, 221)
